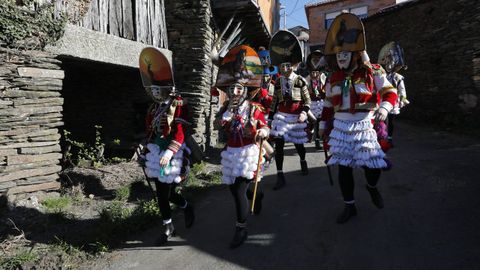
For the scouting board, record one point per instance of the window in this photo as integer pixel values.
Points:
(329, 18)
(361, 12)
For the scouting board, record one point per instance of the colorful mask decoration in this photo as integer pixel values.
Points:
(391, 57)
(346, 34)
(241, 65)
(156, 73)
(285, 48)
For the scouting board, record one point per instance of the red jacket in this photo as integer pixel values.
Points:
(369, 89)
(172, 122)
(242, 127)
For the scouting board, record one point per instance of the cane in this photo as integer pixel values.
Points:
(325, 147)
(138, 152)
(260, 148)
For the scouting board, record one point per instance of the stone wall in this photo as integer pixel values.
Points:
(190, 35)
(30, 114)
(441, 41)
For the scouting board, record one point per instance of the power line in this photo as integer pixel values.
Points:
(293, 9)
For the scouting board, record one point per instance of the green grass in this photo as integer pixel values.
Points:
(115, 211)
(57, 205)
(15, 261)
(122, 193)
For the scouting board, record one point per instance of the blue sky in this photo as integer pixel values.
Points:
(295, 14)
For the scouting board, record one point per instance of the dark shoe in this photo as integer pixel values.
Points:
(318, 144)
(189, 215)
(376, 197)
(303, 165)
(169, 232)
(349, 211)
(240, 236)
(280, 181)
(258, 203)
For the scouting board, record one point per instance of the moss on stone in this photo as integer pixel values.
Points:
(21, 27)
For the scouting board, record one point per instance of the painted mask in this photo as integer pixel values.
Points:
(344, 59)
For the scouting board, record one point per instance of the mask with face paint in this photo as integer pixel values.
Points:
(286, 69)
(237, 94)
(266, 80)
(344, 59)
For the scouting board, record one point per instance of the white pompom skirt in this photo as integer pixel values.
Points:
(240, 162)
(287, 126)
(317, 107)
(172, 173)
(354, 144)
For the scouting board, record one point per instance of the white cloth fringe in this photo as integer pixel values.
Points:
(317, 107)
(240, 162)
(172, 172)
(354, 144)
(287, 126)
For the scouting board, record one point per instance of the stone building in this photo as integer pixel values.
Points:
(88, 77)
(442, 50)
(321, 14)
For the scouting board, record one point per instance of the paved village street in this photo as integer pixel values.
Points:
(430, 220)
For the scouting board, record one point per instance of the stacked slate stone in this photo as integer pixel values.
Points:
(191, 47)
(30, 115)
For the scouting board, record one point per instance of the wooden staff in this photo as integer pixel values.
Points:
(257, 176)
(325, 146)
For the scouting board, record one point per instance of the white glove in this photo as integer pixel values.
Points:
(227, 116)
(262, 133)
(404, 102)
(381, 114)
(302, 117)
(165, 159)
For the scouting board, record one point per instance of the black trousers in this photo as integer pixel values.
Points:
(239, 192)
(391, 118)
(165, 194)
(279, 154)
(345, 178)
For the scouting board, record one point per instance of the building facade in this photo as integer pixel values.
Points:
(320, 15)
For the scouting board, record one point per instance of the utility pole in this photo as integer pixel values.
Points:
(284, 16)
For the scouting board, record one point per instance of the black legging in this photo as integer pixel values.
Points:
(165, 194)
(347, 185)
(279, 154)
(239, 192)
(390, 124)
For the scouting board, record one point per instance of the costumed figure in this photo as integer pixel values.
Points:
(167, 158)
(316, 87)
(244, 122)
(358, 95)
(267, 89)
(291, 102)
(391, 57)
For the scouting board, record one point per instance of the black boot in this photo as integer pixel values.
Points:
(349, 211)
(280, 181)
(239, 237)
(303, 165)
(258, 203)
(189, 215)
(168, 232)
(376, 196)
(318, 144)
